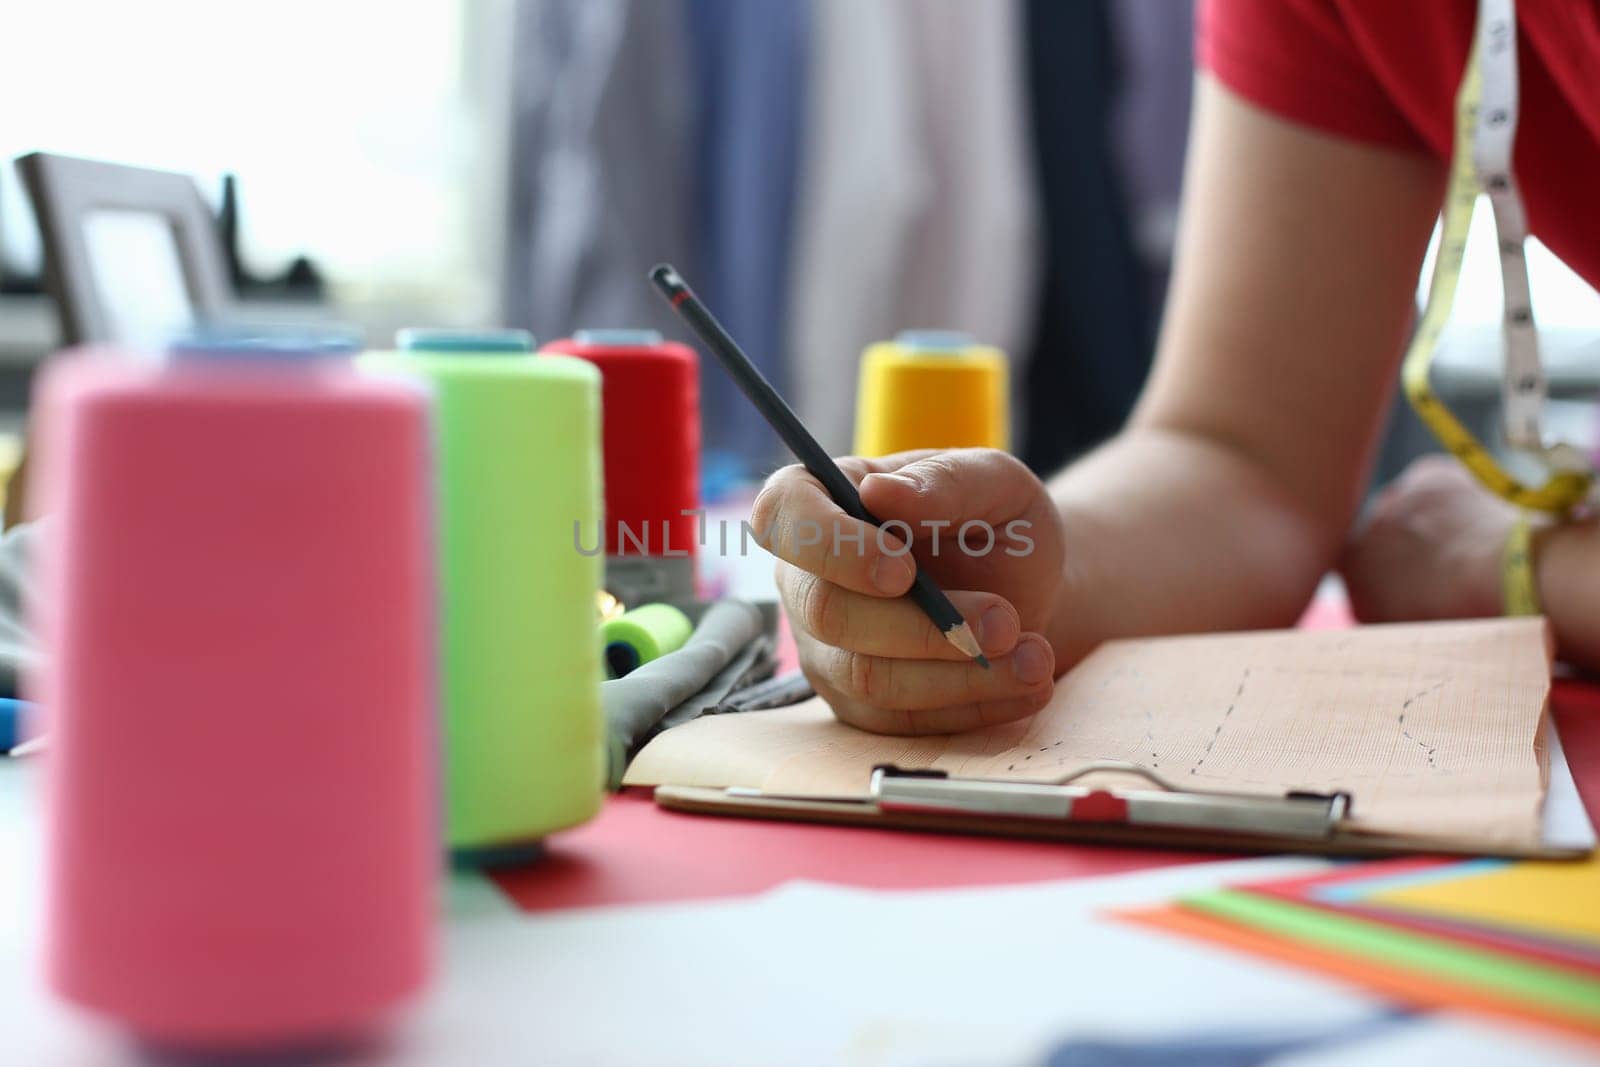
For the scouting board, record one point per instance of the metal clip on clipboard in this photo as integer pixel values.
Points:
(1299, 816)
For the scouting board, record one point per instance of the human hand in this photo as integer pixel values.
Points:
(1429, 548)
(983, 527)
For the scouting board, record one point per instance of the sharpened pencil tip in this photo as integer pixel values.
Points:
(961, 637)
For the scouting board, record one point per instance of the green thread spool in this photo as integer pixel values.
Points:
(646, 633)
(518, 462)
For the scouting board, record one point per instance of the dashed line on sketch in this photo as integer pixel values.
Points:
(1431, 750)
(1237, 693)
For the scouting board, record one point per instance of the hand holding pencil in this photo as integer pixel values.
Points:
(878, 635)
(882, 665)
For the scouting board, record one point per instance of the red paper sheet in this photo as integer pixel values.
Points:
(1576, 708)
(636, 853)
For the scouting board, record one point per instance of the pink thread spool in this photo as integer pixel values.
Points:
(242, 836)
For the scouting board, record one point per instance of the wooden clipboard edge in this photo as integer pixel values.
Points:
(697, 800)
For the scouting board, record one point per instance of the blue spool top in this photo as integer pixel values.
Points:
(934, 341)
(12, 713)
(288, 343)
(618, 338)
(510, 342)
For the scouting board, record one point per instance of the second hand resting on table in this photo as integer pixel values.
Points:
(1230, 493)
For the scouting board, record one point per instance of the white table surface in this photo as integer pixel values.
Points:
(807, 974)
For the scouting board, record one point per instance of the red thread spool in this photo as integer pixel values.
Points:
(650, 398)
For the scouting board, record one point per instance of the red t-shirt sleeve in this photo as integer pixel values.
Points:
(1299, 60)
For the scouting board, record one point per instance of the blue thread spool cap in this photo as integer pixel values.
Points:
(510, 342)
(935, 342)
(12, 712)
(222, 342)
(618, 338)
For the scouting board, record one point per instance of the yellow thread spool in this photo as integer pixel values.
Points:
(928, 389)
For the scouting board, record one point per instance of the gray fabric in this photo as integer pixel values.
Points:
(778, 692)
(19, 649)
(754, 662)
(732, 645)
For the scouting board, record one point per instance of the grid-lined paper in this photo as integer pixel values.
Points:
(1435, 729)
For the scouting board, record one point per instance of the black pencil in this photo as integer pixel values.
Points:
(927, 595)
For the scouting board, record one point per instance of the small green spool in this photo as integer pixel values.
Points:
(641, 635)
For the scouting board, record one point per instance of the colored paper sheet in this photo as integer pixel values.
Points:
(1552, 991)
(1580, 956)
(1343, 889)
(1347, 890)
(1408, 987)
(1558, 899)
(1363, 872)
(636, 853)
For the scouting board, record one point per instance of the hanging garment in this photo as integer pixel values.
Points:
(972, 261)
(749, 62)
(917, 202)
(1150, 124)
(1091, 348)
(601, 158)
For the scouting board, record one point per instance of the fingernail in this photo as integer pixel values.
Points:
(904, 481)
(890, 574)
(997, 630)
(1032, 662)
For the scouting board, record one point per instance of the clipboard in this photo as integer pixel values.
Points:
(1155, 812)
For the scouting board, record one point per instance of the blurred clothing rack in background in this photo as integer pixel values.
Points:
(839, 172)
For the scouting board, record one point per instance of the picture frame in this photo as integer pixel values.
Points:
(72, 196)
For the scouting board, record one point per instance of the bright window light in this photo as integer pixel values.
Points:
(1560, 296)
(350, 124)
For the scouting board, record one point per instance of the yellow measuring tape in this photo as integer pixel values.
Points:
(1481, 158)
(1519, 586)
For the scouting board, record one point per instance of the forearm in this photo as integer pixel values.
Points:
(1568, 561)
(1170, 532)
(1232, 490)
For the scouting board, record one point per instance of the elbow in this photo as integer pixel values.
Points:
(1293, 549)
